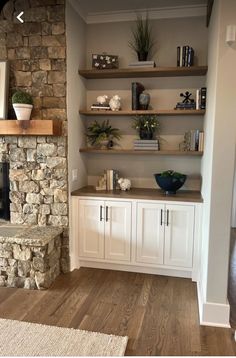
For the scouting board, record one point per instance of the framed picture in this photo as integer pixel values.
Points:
(3, 89)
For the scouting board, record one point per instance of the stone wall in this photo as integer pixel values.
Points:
(36, 51)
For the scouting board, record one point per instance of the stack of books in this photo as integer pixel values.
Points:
(185, 56)
(103, 107)
(194, 140)
(201, 98)
(181, 105)
(112, 177)
(146, 144)
(141, 64)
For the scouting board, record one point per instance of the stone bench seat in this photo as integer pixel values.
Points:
(30, 256)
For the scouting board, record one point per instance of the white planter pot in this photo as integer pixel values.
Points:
(23, 111)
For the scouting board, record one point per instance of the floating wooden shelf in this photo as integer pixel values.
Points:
(31, 127)
(161, 112)
(141, 152)
(144, 72)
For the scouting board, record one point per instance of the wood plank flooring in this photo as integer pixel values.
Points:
(159, 314)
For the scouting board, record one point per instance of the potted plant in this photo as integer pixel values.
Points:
(142, 42)
(102, 135)
(146, 125)
(23, 104)
(170, 181)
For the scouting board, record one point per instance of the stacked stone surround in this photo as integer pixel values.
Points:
(29, 257)
(36, 52)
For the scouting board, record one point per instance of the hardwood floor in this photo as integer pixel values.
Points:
(232, 279)
(159, 314)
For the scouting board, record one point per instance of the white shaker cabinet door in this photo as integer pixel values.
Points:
(150, 233)
(117, 230)
(179, 234)
(91, 228)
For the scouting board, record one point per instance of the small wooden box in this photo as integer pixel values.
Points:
(104, 61)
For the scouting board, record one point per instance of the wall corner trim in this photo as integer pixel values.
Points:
(154, 13)
(211, 313)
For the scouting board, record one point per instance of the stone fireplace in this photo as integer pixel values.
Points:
(36, 52)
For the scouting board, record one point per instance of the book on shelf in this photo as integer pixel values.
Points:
(181, 105)
(146, 148)
(100, 107)
(141, 64)
(194, 140)
(112, 177)
(201, 98)
(137, 89)
(146, 141)
(203, 92)
(185, 56)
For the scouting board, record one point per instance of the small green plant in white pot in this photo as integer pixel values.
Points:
(23, 104)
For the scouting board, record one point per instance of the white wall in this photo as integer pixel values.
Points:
(218, 162)
(76, 93)
(76, 96)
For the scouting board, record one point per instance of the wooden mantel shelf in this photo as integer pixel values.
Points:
(160, 112)
(32, 127)
(144, 72)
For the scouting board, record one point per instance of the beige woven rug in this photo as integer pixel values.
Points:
(30, 339)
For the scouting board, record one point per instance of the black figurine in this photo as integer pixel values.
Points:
(187, 98)
(187, 103)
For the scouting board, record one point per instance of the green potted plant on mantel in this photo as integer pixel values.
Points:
(102, 135)
(23, 104)
(142, 42)
(146, 125)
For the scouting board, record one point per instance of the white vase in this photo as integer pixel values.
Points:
(23, 111)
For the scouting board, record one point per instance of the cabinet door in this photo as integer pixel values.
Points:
(150, 233)
(91, 228)
(117, 230)
(179, 231)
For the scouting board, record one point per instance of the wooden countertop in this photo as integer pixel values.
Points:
(141, 193)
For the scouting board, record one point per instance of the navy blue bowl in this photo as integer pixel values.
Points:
(170, 184)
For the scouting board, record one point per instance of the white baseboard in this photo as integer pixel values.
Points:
(134, 268)
(212, 314)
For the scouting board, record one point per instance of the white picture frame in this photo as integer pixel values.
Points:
(3, 89)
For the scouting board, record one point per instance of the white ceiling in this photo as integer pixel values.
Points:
(95, 6)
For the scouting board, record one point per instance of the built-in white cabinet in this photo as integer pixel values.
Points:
(150, 233)
(137, 235)
(165, 234)
(91, 229)
(105, 229)
(179, 233)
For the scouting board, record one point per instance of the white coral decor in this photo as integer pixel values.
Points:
(115, 103)
(125, 184)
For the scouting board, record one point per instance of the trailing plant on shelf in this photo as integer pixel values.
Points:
(172, 174)
(146, 125)
(102, 135)
(23, 104)
(142, 42)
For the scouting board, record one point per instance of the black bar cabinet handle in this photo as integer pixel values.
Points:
(161, 217)
(100, 212)
(167, 220)
(107, 213)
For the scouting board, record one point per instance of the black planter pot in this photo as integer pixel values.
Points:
(142, 56)
(144, 134)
